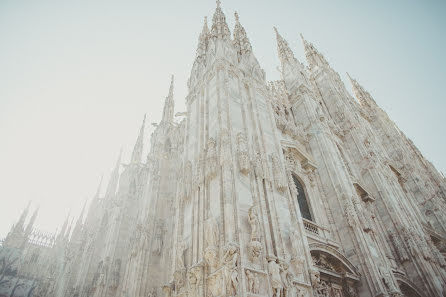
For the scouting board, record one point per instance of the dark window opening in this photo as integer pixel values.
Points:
(302, 200)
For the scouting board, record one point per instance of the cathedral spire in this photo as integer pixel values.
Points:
(203, 40)
(314, 58)
(219, 27)
(169, 105)
(78, 227)
(114, 178)
(137, 150)
(64, 228)
(30, 225)
(284, 50)
(241, 41)
(20, 224)
(364, 97)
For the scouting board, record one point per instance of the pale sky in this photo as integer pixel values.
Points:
(76, 78)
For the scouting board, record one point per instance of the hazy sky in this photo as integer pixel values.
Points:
(76, 78)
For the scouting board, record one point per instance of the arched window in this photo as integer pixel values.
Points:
(302, 200)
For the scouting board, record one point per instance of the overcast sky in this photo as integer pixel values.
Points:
(76, 78)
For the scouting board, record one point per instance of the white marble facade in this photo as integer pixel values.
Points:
(289, 188)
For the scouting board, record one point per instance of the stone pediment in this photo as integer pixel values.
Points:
(306, 160)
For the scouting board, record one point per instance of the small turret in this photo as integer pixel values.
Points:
(20, 225)
(314, 58)
(79, 223)
(241, 41)
(31, 222)
(139, 145)
(219, 27)
(61, 234)
(364, 97)
(114, 179)
(286, 55)
(169, 105)
(203, 40)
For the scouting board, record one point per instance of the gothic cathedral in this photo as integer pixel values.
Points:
(290, 188)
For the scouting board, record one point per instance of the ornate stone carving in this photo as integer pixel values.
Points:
(158, 239)
(253, 281)
(279, 178)
(274, 274)
(400, 249)
(194, 279)
(287, 279)
(230, 261)
(211, 256)
(242, 153)
(211, 159)
(212, 233)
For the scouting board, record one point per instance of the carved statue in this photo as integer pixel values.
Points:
(211, 256)
(255, 250)
(255, 223)
(274, 273)
(158, 240)
(211, 232)
(251, 280)
(230, 261)
(194, 277)
(287, 279)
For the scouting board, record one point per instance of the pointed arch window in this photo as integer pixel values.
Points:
(302, 200)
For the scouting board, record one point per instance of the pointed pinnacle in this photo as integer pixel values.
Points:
(218, 3)
(236, 17)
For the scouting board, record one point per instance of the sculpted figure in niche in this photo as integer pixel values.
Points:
(274, 273)
(255, 223)
(210, 255)
(230, 260)
(253, 281)
(212, 233)
(158, 242)
(194, 276)
(287, 279)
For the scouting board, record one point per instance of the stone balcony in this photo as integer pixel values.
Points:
(318, 233)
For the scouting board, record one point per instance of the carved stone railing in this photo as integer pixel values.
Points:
(311, 227)
(319, 233)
